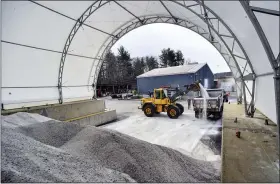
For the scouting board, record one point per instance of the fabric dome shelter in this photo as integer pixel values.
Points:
(52, 51)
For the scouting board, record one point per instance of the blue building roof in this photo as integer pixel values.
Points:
(175, 70)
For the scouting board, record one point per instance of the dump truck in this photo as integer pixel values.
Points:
(214, 104)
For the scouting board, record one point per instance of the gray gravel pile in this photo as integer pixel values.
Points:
(44, 150)
(25, 159)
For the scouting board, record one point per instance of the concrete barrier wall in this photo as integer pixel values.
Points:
(96, 119)
(73, 110)
(64, 111)
(89, 112)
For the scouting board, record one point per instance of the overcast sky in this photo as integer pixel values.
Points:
(151, 39)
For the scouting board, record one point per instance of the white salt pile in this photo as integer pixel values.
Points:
(38, 149)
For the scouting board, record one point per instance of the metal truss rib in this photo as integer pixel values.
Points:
(233, 35)
(275, 63)
(28, 87)
(49, 50)
(90, 10)
(207, 21)
(128, 11)
(265, 11)
(260, 32)
(125, 30)
(175, 19)
(70, 18)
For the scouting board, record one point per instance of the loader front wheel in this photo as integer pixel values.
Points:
(196, 114)
(149, 110)
(181, 107)
(173, 112)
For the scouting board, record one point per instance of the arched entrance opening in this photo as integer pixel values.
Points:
(85, 34)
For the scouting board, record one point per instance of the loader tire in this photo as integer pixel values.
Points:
(149, 110)
(196, 114)
(181, 107)
(173, 112)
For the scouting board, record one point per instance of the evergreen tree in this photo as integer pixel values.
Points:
(110, 67)
(139, 66)
(179, 58)
(151, 63)
(168, 58)
(124, 61)
(163, 58)
(116, 69)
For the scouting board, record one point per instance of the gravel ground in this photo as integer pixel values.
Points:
(39, 149)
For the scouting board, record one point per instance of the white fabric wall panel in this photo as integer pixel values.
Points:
(271, 30)
(108, 22)
(272, 5)
(179, 11)
(76, 71)
(73, 9)
(265, 96)
(248, 91)
(77, 92)
(25, 97)
(242, 65)
(27, 23)
(93, 71)
(22, 66)
(87, 42)
(239, 89)
(141, 8)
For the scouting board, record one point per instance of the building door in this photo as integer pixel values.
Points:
(206, 83)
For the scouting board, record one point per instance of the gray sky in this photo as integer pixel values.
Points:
(151, 39)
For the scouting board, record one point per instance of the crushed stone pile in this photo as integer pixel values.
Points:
(39, 149)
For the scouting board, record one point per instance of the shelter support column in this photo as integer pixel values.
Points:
(252, 105)
(275, 63)
(244, 96)
(277, 99)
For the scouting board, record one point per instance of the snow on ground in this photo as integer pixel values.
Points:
(184, 134)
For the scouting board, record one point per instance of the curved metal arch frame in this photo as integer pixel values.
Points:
(134, 24)
(231, 32)
(275, 62)
(247, 110)
(90, 10)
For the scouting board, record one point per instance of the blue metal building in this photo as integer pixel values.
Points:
(176, 76)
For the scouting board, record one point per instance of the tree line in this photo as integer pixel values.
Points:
(119, 68)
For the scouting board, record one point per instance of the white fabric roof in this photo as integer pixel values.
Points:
(175, 70)
(52, 50)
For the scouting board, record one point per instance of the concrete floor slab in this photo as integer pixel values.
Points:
(254, 156)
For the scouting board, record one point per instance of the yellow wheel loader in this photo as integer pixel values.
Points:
(160, 102)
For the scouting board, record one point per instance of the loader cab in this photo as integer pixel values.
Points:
(160, 96)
